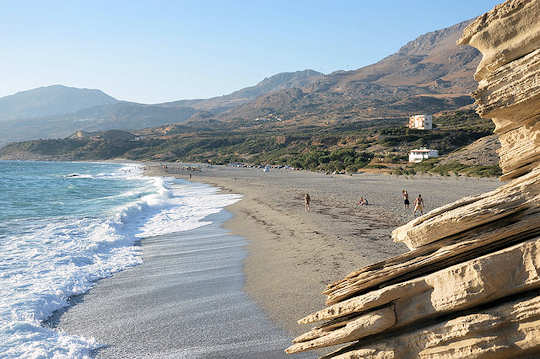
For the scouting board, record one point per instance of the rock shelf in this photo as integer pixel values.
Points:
(470, 285)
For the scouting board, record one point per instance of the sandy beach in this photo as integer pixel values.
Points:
(235, 288)
(293, 255)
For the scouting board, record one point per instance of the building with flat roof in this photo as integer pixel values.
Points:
(422, 154)
(421, 122)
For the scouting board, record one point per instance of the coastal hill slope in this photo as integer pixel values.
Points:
(281, 81)
(119, 115)
(57, 111)
(50, 100)
(429, 74)
(380, 145)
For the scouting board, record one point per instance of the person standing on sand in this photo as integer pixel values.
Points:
(190, 176)
(405, 198)
(419, 205)
(307, 202)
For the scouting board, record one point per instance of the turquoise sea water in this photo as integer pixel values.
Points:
(64, 225)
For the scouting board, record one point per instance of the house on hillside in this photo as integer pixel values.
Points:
(422, 154)
(421, 122)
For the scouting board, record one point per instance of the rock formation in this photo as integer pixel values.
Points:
(470, 285)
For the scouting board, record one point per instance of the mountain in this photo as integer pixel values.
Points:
(50, 100)
(57, 111)
(283, 80)
(429, 74)
(304, 119)
(119, 115)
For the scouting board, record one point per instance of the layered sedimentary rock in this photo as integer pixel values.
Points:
(508, 330)
(470, 285)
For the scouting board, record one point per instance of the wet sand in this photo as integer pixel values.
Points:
(185, 301)
(293, 255)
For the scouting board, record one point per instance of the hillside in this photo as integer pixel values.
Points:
(120, 115)
(373, 145)
(429, 74)
(65, 110)
(49, 101)
(284, 80)
(481, 152)
(80, 145)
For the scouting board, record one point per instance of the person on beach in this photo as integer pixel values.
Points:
(419, 205)
(363, 201)
(307, 202)
(405, 198)
(190, 176)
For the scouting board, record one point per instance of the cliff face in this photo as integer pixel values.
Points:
(470, 286)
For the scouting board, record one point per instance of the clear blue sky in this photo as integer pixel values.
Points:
(155, 51)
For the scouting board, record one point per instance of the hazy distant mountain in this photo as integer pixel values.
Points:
(270, 84)
(65, 110)
(50, 100)
(428, 74)
(120, 115)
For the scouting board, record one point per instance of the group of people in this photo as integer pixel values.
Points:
(418, 202)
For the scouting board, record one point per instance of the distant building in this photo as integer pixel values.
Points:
(421, 122)
(422, 154)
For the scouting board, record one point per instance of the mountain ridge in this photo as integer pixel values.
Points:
(125, 115)
(427, 75)
(49, 101)
(279, 81)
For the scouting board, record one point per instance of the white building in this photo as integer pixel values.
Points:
(422, 154)
(421, 122)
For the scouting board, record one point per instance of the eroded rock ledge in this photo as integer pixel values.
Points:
(470, 286)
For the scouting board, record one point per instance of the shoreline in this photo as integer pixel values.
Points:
(290, 255)
(293, 255)
(185, 300)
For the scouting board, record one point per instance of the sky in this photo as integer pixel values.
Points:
(158, 51)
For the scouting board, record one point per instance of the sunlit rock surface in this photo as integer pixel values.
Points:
(469, 287)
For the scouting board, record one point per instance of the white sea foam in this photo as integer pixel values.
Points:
(183, 207)
(53, 260)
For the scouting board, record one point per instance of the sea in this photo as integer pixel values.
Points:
(64, 225)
